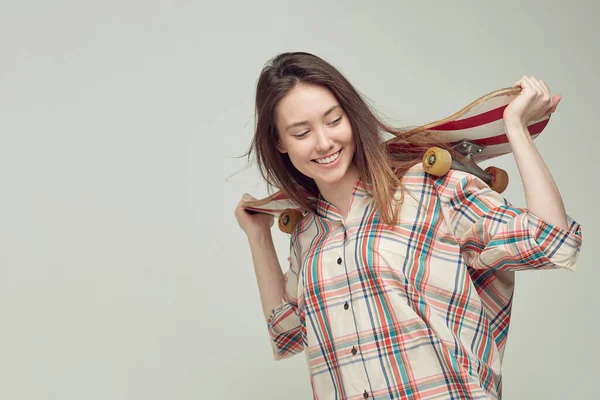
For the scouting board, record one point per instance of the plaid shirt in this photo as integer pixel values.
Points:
(419, 310)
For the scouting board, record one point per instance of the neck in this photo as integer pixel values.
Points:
(340, 193)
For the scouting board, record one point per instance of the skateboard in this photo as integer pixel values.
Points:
(476, 132)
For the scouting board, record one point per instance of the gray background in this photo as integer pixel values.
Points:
(123, 273)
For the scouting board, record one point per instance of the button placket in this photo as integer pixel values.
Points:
(346, 306)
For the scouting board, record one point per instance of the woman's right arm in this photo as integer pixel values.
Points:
(268, 272)
(278, 291)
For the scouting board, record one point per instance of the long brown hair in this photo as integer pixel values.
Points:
(377, 166)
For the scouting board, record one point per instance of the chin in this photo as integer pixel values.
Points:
(331, 178)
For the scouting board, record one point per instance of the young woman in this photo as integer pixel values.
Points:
(400, 283)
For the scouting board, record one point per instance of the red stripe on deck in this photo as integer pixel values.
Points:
(472, 122)
(534, 129)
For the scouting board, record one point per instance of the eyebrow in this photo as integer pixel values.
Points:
(306, 122)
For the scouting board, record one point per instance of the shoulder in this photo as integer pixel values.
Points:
(416, 179)
(458, 183)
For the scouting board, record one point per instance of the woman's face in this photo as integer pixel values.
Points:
(315, 132)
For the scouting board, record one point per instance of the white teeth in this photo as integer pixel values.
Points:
(329, 159)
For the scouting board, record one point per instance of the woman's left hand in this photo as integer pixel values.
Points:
(534, 102)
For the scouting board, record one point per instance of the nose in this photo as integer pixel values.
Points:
(324, 142)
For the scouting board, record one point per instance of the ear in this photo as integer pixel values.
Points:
(281, 147)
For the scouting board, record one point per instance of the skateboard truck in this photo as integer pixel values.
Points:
(438, 162)
(467, 149)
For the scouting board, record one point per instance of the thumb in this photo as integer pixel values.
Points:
(555, 100)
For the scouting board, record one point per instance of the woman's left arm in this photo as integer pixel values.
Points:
(493, 234)
(541, 193)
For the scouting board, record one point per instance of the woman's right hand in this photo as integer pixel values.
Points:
(252, 224)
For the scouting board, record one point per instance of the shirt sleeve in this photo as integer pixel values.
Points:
(284, 322)
(493, 234)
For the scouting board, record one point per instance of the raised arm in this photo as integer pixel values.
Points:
(268, 272)
(278, 291)
(541, 193)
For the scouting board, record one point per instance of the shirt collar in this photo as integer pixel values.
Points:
(327, 210)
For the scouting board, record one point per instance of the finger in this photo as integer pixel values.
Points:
(548, 93)
(531, 86)
(525, 84)
(545, 86)
(246, 198)
(544, 91)
(539, 87)
(545, 94)
(519, 83)
(522, 81)
(240, 206)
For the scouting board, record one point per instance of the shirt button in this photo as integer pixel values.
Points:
(353, 350)
(366, 395)
(346, 306)
(339, 260)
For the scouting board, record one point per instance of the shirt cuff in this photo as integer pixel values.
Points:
(285, 332)
(561, 246)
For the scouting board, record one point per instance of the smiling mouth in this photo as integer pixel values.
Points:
(328, 160)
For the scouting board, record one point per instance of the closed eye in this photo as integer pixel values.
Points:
(335, 121)
(332, 123)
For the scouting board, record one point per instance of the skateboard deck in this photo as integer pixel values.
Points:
(481, 122)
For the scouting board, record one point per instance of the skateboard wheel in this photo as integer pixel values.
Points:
(288, 220)
(499, 179)
(437, 161)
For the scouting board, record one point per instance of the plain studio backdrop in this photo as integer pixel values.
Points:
(123, 272)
